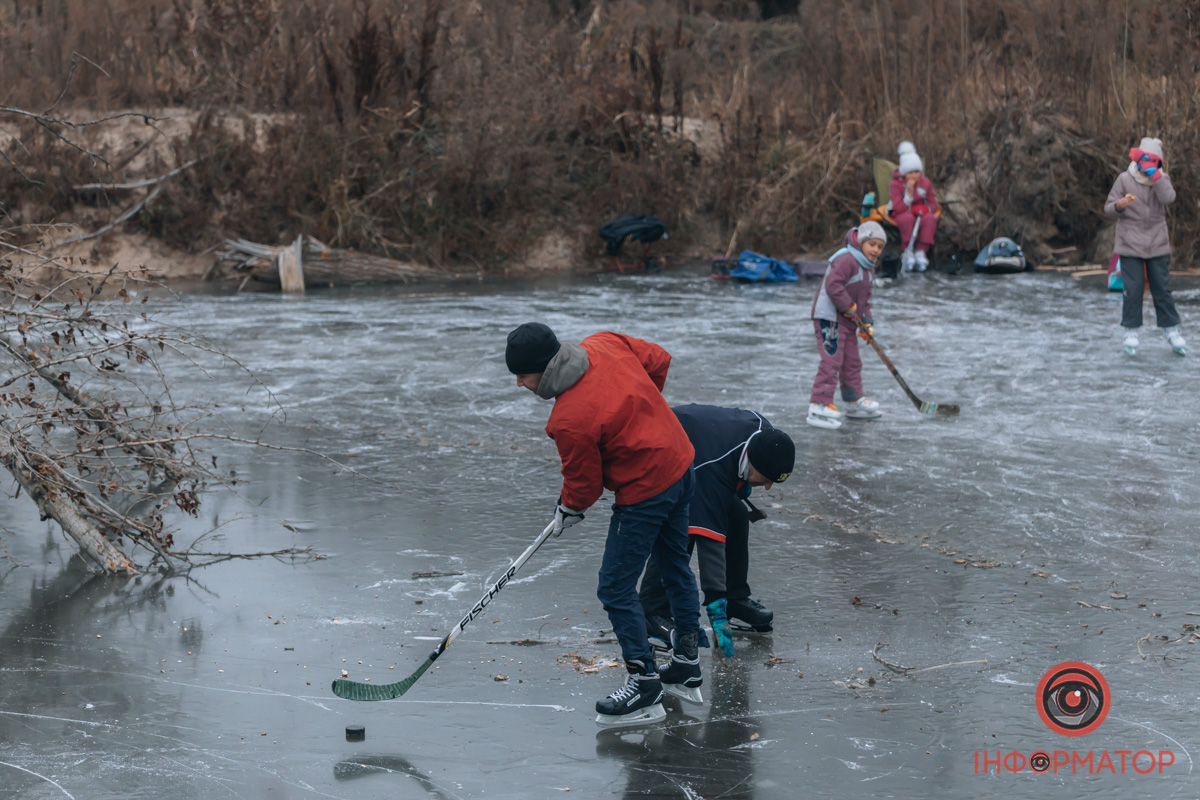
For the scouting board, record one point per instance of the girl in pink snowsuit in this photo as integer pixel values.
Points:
(912, 197)
(840, 310)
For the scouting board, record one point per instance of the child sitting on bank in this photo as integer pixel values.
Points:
(912, 199)
(840, 310)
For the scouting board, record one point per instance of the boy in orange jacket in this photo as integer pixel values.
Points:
(614, 430)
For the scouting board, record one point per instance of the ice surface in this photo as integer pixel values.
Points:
(1069, 479)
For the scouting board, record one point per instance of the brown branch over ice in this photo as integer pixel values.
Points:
(913, 670)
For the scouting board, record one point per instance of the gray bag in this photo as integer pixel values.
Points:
(1001, 255)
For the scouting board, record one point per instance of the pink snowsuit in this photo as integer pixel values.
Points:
(845, 284)
(903, 215)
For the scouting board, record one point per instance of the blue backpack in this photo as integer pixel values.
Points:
(762, 269)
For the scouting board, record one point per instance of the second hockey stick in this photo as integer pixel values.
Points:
(941, 409)
(353, 690)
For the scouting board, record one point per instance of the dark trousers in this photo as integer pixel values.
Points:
(1135, 272)
(657, 527)
(724, 567)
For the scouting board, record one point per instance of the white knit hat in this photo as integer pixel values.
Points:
(1151, 146)
(906, 147)
(910, 162)
(870, 230)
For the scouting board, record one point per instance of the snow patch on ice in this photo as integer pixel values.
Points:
(753, 745)
(1009, 681)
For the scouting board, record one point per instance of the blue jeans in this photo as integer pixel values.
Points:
(659, 526)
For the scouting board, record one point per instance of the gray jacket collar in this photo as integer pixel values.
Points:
(563, 371)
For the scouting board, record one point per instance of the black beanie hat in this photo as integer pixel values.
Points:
(530, 348)
(772, 454)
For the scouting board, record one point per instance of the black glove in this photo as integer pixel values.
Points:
(755, 514)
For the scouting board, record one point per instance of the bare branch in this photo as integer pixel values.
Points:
(139, 184)
(115, 223)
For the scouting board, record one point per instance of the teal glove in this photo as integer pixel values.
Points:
(720, 624)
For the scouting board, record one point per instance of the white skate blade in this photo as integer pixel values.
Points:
(823, 422)
(1179, 351)
(643, 716)
(1131, 350)
(684, 693)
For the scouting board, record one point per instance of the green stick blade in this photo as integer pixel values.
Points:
(353, 690)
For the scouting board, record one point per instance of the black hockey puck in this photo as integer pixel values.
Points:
(356, 733)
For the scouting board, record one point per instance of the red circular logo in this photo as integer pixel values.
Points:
(1072, 698)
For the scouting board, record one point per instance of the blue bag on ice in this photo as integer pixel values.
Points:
(762, 269)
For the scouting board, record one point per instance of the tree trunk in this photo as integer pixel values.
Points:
(28, 470)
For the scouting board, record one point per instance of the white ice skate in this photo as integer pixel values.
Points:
(824, 416)
(920, 261)
(1175, 339)
(908, 260)
(863, 408)
(1130, 341)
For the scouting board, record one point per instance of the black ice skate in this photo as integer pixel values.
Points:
(658, 632)
(681, 675)
(638, 702)
(749, 616)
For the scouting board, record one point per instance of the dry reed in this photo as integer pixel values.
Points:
(457, 131)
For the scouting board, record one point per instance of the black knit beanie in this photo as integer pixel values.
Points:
(772, 454)
(530, 348)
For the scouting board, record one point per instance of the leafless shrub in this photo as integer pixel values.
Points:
(454, 130)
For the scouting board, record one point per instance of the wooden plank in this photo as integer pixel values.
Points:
(291, 267)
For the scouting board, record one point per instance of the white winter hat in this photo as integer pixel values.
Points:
(906, 147)
(870, 230)
(1151, 146)
(910, 162)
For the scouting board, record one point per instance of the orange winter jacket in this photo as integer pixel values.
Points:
(613, 428)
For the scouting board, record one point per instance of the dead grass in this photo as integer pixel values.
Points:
(465, 132)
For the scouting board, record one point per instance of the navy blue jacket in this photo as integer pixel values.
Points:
(720, 436)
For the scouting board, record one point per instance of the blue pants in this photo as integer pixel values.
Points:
(659, 526)
(724, 566)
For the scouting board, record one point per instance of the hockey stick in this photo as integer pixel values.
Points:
(353, 690)
(944, 409)
(912, 240)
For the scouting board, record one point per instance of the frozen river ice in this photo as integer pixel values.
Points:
(1054, 520)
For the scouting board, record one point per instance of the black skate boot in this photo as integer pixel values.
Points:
(637, 702)
(658, 632)
(749, 616)
(681, 675)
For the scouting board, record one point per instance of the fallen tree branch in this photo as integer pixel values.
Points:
(138, 184)
(893, 667)
(30, 475)
(150, 456)
(903, 670)
(113, 224)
